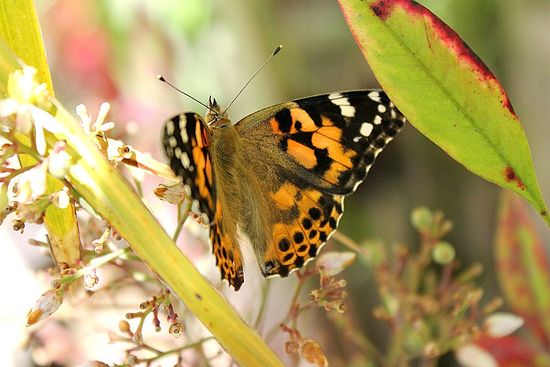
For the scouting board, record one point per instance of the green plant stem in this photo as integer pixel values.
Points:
(94, 264)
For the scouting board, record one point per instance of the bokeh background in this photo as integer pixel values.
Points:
(112, 50)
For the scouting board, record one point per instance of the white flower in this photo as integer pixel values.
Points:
(99, 125)
(501, 324)
(61, 198)
(59, 160)
(45, 305)
(19, 112)
(28, 186)
(471, 355)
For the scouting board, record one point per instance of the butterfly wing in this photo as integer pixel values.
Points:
(186, 141)
(319, 149)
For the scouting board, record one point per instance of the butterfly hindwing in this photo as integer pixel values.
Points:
(305, 219)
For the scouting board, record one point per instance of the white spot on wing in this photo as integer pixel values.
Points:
(172, 141)
(381, 108)
(366, 129)
(170, 127)
(177, 152)
(347, 111)
(375, 96)
(184, 136)
(377, 120)
(185, 160)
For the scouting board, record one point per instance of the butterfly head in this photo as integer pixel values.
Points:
(215, 117)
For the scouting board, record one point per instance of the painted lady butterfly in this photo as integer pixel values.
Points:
(279, 175)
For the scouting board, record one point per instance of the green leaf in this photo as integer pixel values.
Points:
(445, 91)
(20, 29)
(522, 266)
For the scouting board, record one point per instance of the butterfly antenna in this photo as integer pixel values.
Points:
(161, 78)
(275, 52)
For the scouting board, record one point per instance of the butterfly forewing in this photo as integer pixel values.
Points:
(330, 140)
(186, 142)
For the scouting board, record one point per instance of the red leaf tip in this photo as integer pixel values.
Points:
(511, 176)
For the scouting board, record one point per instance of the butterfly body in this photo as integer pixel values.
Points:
(278, 176)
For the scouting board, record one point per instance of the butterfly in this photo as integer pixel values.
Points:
(280, 175)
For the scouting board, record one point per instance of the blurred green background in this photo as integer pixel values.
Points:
(112, 50)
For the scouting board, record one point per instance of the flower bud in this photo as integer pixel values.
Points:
(47, 304)
(443, 253)
(471, 355)
(311, 351)
(501, 324)
(421, 218)
(332, 263)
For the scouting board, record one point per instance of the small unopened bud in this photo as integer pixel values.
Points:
(471, 355)
(46, 305)
(124, 326)
(502, 324)
(421, 218)
(311, 351)
(443, 253)
(18, 225)
(333, 263)
(91, 279)
(291, 347)
(431, 350)
(176, 329)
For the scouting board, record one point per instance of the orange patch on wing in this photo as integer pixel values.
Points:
(332, 132)
(336, 150)
(284, 197)
(304, 155)
(204, 171)
(275, 125)
(303, 117)
(208, 171)
(198, 135)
